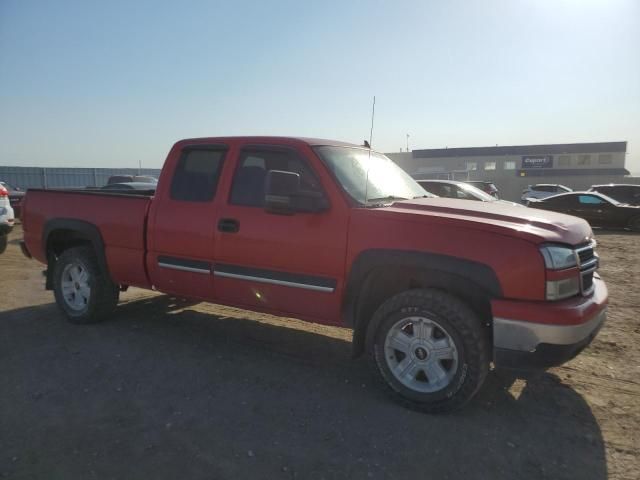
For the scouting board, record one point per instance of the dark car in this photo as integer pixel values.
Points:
(596, 208)
(629, 194)
(486, 187)
(131, 179)
(128, 186)
(15, 197)
(461, 190)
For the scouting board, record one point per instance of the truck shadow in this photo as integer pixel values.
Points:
(165, 390)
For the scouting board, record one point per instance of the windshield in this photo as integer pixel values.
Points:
(369, 177)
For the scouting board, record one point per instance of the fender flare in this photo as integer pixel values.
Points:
(369, 264)
(83, 231)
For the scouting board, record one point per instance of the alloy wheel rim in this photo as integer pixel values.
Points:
(421, 354)
(75, 286)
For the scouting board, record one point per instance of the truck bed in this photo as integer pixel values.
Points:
(120, 219)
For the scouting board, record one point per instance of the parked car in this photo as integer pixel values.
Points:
(543, 190)
(131, 178)
(486, 187)
(336, 234)
(125, 186)
(15, 197)
(596, 208)
(461, 190)
(629, 194)
(7, 218)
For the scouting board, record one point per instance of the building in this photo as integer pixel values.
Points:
(512, 168)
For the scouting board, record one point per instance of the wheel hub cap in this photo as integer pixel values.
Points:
(421, 354)
(75, 286)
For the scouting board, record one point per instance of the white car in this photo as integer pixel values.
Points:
(543, 190)
(7, 218)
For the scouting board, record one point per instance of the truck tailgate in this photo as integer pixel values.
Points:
(119, 218)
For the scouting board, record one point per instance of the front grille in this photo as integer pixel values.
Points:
(585, 254)
(589, 263)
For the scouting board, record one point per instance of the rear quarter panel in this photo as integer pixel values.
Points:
(120, 219)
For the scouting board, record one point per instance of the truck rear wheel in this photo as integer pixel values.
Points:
(430, 349)
(83, 292)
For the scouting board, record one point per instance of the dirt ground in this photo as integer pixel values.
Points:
(168, 389)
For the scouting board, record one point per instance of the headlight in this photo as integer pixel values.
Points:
(559, 289)
(558, 258)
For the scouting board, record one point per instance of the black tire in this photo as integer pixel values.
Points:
(634, 224)
(461, 327)
(4, 239)
(103, 293)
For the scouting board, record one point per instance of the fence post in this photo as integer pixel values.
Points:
(44, 177)
(95, 177)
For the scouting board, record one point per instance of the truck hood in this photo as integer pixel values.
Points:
(532, 224)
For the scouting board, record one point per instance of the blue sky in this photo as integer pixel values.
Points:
(91, 83)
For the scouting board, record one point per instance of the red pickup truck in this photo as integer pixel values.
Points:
(434, 289)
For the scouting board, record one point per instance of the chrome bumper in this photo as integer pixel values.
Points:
(526, 336)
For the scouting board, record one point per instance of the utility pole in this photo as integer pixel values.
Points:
(407, 142)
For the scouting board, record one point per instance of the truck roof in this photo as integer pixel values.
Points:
(272, 139)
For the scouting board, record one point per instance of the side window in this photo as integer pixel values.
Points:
(589, 200)
(254, 163)
(460, 193)
(431, 188)
(196, 176)
(446, 191)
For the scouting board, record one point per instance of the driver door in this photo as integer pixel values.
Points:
(279, 263)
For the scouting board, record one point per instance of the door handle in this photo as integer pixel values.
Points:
(228, 225)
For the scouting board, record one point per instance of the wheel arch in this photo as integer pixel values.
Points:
(60, 234)
(377, 275)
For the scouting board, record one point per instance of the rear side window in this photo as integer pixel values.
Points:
(196, 176)
(249, 181)
(590, 200)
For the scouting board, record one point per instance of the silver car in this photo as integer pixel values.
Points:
(7, 218)
(543, 190)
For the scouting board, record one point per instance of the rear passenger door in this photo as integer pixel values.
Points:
(292, 264)
(181, 232)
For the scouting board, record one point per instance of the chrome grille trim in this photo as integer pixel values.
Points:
(588, 262)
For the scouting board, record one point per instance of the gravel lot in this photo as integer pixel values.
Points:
(171, 389)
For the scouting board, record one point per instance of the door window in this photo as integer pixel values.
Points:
(249, 180)
(196, 176)
(589, 200)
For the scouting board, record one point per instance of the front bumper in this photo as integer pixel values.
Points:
(562, 332)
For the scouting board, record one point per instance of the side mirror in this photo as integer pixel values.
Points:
(280, 190)
(283, 195)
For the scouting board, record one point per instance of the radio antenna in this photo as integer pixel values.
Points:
(366, 182)
(373, 114)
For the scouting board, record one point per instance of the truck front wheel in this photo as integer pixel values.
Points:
(83, 292)
(430, 349)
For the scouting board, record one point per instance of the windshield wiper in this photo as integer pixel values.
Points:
(389, 197)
